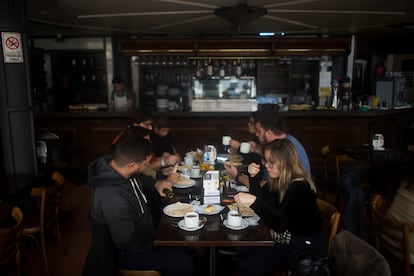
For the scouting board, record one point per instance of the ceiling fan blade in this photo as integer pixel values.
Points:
(143, 13)
(190, 4)
(290, 21)
(288, 3)
(337, 12)
(181, 22)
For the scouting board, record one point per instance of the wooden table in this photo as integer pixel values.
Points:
(213, 234)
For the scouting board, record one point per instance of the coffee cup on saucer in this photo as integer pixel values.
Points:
(191, 220)
(234, 218)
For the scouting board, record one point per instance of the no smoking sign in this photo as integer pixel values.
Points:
(12, 47)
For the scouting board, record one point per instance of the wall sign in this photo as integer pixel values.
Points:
(12, 47)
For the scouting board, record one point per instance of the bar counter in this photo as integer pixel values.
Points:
(89, 133)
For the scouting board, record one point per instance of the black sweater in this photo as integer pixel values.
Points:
(297, 213)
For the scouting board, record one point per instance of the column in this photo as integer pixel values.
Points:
(16, 118)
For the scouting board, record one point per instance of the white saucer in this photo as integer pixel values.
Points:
(244, 225)
(196, 177)
(182, 226)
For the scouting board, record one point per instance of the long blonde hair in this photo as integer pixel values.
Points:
(284, 154)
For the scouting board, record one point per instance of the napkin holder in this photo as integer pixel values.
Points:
(211, 187)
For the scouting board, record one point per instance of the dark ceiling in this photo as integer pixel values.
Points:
(49, 18)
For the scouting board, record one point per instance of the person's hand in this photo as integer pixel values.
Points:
(231, 169)
(253, 169)
(168, 170)
(234, 143)
(174, 177)
(234, 146)
(161, 185)
(253, 146)
(244, 198)
(171, 159)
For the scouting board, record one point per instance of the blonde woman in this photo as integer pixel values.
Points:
(287, 205)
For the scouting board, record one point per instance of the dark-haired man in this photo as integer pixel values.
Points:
(122, 98)
(123, 200)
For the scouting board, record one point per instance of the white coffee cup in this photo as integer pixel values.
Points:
(225, 140)
(234, 218)
(195, 171)
(245, 147)
(188, 160)
(191, 220)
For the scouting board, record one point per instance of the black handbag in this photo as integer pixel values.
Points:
(316, 264)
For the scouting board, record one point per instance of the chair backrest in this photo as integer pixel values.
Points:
(10, 242)
(58, 178)
(391, 235)
(49, 203)
(355, 257)
(330, 220)
(138, 273)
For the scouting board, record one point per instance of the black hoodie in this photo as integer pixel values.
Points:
(123, 205)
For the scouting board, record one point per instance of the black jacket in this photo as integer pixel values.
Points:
(123, 206)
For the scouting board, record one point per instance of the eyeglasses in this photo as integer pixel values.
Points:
(268, 164)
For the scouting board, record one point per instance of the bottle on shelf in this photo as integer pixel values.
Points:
(209, 68)
(238, 68)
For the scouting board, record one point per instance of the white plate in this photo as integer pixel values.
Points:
(189, 183)
(182, 226)
(201, 209)
(244, 225)
(241, 188)
(178, 209)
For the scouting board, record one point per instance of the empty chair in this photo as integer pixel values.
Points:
(392, 238)
(330, 221)
(47, 218)
(10, 244)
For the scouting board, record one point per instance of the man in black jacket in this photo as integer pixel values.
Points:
(122, 199)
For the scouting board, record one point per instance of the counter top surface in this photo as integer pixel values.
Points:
(172, 114)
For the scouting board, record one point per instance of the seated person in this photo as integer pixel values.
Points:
(123, 203)
(162, 142)
(143, 119)
(402, 207)
(254, 144)
(138, 118)
(287, 205)
(161, 137)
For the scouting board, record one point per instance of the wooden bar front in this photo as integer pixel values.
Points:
(89, 134)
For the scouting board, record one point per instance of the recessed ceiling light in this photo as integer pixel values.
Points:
(266, 34)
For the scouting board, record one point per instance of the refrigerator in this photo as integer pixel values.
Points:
(390, 91)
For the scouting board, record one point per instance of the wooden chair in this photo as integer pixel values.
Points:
(10, 243)
(392, 236)
(330, 220)
(48, 216)
(344, 162)
(138, 273)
